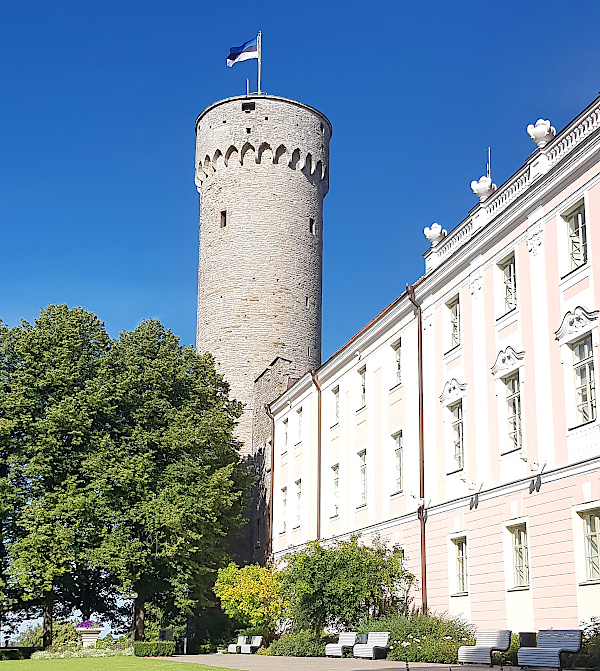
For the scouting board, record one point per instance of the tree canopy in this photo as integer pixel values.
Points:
(119, 471)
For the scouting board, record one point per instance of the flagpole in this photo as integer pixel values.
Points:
(259, 57)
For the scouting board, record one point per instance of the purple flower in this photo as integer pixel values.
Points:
(89, 624)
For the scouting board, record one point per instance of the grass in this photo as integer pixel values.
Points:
(101, 664)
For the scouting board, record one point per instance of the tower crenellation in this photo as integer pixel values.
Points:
(262, 171)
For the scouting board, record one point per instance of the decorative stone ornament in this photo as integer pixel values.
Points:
(435, 234)
(542, 132)
(89, 632)
(535, 238)
(483, 188)
(576, 323)
(453, 390)
(507, 361)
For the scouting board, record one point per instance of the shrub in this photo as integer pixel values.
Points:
(339, 583)
(589, 656)
(73, 650)
(508, 658)
(16, 653)
(302, 644)
(153, 648)
(423, 638)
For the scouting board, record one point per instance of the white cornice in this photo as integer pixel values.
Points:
(575, 323)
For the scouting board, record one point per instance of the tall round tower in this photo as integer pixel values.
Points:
(262, 171)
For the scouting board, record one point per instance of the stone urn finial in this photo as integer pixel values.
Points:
(483, 188)
(542, 132)
(435, 234)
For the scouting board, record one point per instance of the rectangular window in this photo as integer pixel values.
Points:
(577, 238)
(336, 404)
(509, 284)
(513, 408)
(363, 386)
(454, 313)
(311, 226)
(520, 556)
(299, 412)
(335, 470)
(285, 434)
(363, 477)
(583, 369)
(458, 453)
(283, 509)
(223, 218)
(397, 347)
(461, 565)
(298, 502)
(591, 525)
(398, 462)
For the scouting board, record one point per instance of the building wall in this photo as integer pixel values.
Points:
(263, 161)
(551, 477)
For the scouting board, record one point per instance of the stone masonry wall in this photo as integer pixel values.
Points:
(259, 275)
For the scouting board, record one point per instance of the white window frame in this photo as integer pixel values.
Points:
(397, 349)
(513, 411)
(461, 562)
(587, 561)
(519, 544)
(577, 236)
(454, 393)
(335, 472)
(454, 327)
(509, 363)
(362, 372)
(285, 435)
(576, 325)
(508, 268)
(283, 510)
(298, 503)
(591, 541)
(585, 410)
(300, 417)
(458, 436)
(398, 463)
(362, 473)
(336, 405)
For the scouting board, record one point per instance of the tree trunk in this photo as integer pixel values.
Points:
(139, 612)
(47, 615)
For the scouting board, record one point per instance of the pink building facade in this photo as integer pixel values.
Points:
(505, 491)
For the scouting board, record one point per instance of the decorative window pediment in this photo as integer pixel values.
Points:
(453, 391)
(507, 361)
(575, 323)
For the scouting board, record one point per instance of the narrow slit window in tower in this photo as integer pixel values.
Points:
(306, 301)
(248, 107)
(248, 131)
(223, 218)
(311, 226)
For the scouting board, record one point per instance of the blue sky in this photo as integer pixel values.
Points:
(97, 199)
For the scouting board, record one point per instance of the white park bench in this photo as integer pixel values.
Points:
(375, 647)
(346, 641)
(550, 643)
(233, 648)
(486, 642)
(253, 646)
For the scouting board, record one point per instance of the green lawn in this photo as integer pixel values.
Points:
(101, 664)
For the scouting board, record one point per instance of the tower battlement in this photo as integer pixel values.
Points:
(262, 171)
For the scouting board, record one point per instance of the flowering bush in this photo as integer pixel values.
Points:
(75, 650)
(423, 638)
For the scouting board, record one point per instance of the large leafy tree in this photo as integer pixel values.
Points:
(46, 426)
(166, 469)
(119, 469)
(340, 583)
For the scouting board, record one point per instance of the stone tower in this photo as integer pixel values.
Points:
(262, 172)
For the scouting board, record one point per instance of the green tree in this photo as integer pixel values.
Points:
(341, 583)
(46, 425)
(166, 470)
(251, 595)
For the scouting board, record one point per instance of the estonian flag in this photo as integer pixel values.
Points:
(243, 53)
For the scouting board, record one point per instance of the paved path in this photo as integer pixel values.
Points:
(264, 663)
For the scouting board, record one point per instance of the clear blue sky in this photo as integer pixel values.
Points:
(98, 101)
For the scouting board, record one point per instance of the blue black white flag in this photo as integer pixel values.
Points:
(244, 52)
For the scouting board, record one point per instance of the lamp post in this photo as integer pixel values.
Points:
(134, 596)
